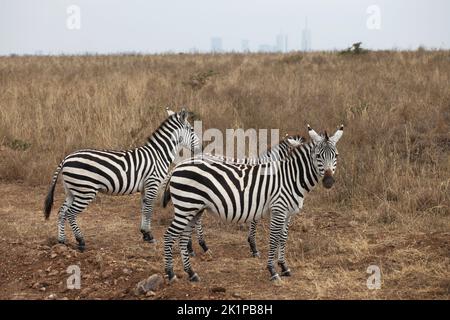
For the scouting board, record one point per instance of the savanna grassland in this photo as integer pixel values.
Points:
(389, 206)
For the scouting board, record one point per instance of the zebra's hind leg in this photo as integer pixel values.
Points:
(251, 239)
(79, 203)
(276, 224)
(62, 220)
(190, 249)
(200, 234)
(285, 271)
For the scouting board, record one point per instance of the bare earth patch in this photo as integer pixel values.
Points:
(328, 252)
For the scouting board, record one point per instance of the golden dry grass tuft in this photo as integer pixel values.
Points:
(391, 200)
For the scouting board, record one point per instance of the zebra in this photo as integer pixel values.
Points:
(239, 193)
(276, 152)
(89, 171)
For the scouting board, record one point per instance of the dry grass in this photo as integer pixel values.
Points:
(393, 177)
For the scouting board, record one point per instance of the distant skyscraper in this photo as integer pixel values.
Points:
(266, 48)
(281, 43)
(306, 37)
(216, 44)
(245, 46)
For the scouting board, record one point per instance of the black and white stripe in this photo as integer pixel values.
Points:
(246, 192)
(87, 172)
(276, 152)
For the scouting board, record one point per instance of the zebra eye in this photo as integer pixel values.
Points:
(180, 139)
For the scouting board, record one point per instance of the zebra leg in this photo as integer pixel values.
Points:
(148, 196)
(276, 225)
(189, 247)
(62, 220)
(185, 237)
(79, 203)
(251, 239)
(170, 237)
(200, 234)
(285, 271)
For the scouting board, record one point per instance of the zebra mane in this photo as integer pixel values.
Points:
(172, 117)
(278, 152)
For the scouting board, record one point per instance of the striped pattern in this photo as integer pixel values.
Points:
(276, 152)
(247, 192)
(87, 172)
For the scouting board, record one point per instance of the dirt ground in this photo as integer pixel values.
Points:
(328, 251)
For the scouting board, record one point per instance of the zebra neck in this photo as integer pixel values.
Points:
(308, 176)
(162, 145)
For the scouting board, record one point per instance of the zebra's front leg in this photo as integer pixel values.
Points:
(148, 196)
(285, 271)
(276, 225)
(252, 239)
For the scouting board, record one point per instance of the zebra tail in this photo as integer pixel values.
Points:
(49, 199)
(166, 192)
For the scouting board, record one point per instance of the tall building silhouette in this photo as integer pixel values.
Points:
(216, 44)
(306, 37)
(245, 45)
(281, 43)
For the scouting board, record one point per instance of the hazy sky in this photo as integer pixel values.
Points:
(108, 26)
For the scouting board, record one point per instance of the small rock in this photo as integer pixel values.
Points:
(218, 289)
(59, 248)
(53, 255)
(152, 283)
(64, 298)
(107, 274)
(150, 294)
(52, 297)
(236, 295)
(42, 289)
(127, 271)
(53, 273)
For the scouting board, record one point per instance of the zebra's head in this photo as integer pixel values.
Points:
(184, 135)
(325, 154)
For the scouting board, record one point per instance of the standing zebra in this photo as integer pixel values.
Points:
(276, 152)
(239, 193)
(87, 172)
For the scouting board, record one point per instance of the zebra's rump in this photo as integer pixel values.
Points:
(112, 172)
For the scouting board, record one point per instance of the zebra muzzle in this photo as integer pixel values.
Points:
(328, 180)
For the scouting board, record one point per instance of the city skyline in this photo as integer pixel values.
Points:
(110, 26)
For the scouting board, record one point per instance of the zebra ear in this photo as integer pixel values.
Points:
(314, 136)
(335, 138)
(293, 142)
(184, 114)
(169, 112)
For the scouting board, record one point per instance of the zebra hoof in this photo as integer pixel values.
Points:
(194, 278)
(192, 254)
(256, 254)
(286, 273)
(147, 237)
(62, 241)
(275, 278)
(81, 247)
(173, 279)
